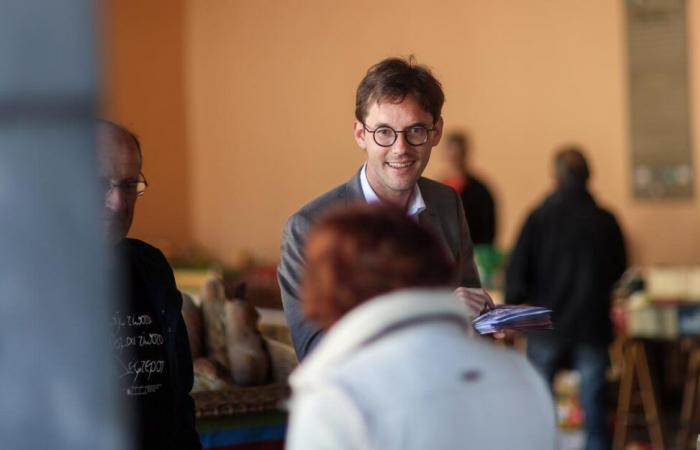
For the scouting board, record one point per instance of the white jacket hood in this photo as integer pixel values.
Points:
(370, 319)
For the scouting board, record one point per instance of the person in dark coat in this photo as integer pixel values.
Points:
(568, 256)
(149, 338)
(479, 205)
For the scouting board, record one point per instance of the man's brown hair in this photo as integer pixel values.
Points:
(570, 166)
(392, 80)
(362, 251)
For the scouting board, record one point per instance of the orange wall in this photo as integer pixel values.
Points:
(271, 98)
(269, 92)
(144, 89)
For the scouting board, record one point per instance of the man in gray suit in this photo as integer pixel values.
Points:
(397, 122)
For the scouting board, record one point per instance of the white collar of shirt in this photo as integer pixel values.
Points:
(416, 204)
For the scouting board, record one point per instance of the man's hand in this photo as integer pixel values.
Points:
(477, 300)
(506, 335)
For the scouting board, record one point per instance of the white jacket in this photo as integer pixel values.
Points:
(399, 372)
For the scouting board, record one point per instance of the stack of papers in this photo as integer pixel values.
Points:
(513, 317)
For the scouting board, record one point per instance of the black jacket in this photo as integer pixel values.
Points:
(147, 268)
(569, 254)
(480, 211)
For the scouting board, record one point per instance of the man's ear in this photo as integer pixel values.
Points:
(358, 131)
(437, 134)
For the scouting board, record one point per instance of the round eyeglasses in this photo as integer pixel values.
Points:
(129, 188)
(386, 136)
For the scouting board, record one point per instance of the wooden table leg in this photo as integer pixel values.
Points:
(651, 410)
(636, 367)
(690, 393)
(625, 396)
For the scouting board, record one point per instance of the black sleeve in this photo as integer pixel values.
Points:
(489, 218)
(519, 274)
(188, 438)
(616, 249)
(468, 273)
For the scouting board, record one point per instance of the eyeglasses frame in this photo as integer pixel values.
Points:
(396, 134)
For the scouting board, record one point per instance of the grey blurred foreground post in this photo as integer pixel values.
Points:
(55, 373)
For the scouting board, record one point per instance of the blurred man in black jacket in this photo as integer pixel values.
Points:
(479, 206)
(569, 254)
(149, 337)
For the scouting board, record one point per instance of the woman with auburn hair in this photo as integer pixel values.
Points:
(397, 368)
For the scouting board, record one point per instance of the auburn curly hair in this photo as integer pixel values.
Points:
(362, 251)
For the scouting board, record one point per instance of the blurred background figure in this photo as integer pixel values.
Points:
(479, 206)
(567, 257)
(149, 338)
(396, 369)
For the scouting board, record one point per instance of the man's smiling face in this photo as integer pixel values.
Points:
(393, 171)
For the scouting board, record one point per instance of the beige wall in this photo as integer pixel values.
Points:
(145, 90)
(269, 93)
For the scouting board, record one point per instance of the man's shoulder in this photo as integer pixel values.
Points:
(432, 185)
(436, 194)
(143, 252)
(339, 196)
(435, 187)
(604, 212)
(478, 186)
(607, 217)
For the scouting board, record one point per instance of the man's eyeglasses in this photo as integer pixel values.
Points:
(130, 188)
(385, 136)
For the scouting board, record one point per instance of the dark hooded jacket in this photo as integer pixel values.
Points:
(568, 256)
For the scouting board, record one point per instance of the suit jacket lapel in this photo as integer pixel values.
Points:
(353, 188)
(430, 218)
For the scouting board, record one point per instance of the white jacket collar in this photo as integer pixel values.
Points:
(370, 319)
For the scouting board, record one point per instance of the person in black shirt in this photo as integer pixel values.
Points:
(479, 206)
(569, 254)
(149, 338)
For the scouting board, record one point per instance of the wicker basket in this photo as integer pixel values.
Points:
(240, 400)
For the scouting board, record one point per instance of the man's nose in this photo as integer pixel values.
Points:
(401, 145)
(116, 200)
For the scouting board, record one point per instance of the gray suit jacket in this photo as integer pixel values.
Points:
(444, 215)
